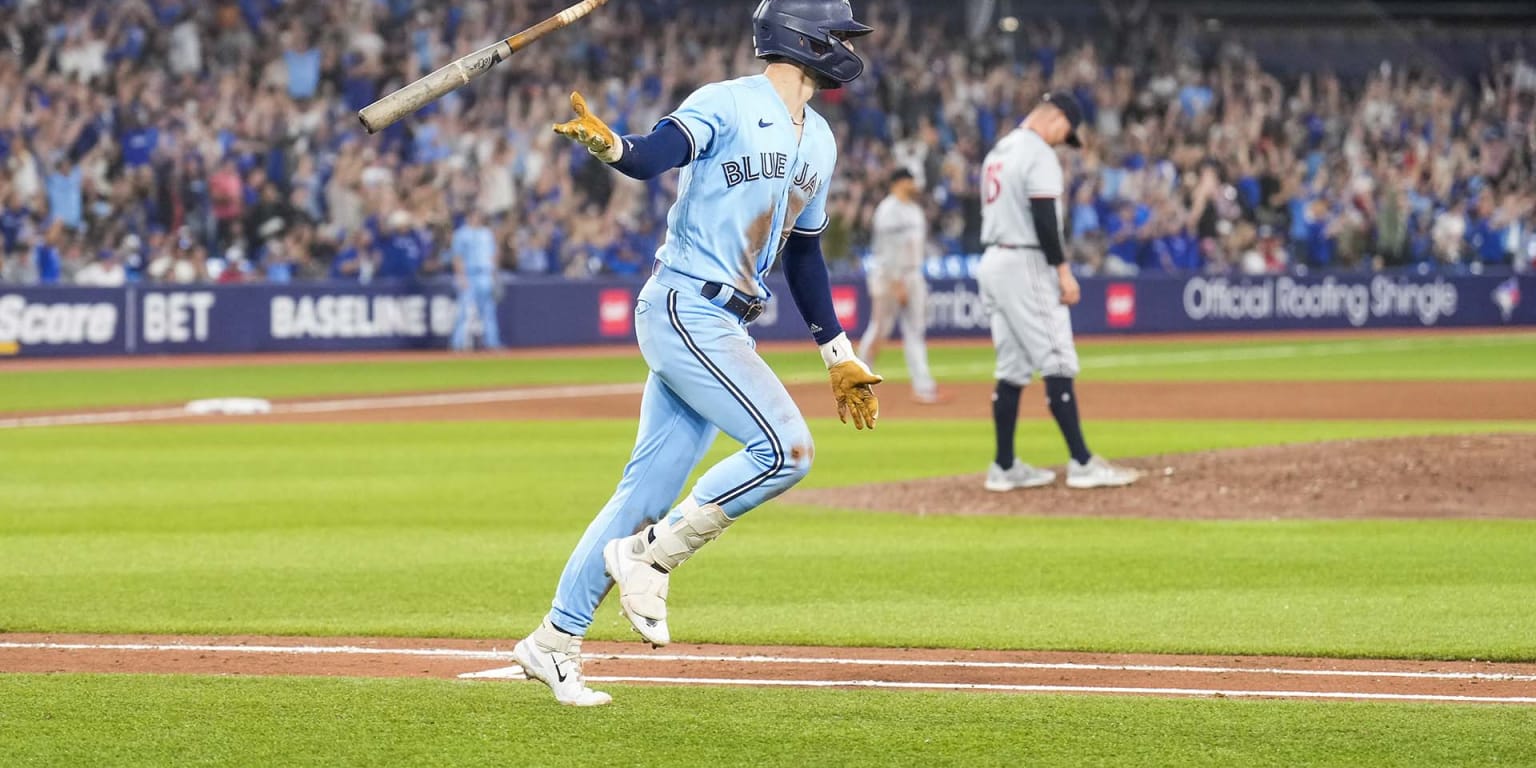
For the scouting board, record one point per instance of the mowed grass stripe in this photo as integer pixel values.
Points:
(1419, 356)
(1161, 363)
(155, 721)
(462, 529)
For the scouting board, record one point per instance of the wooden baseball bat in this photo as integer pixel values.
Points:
(392, 108)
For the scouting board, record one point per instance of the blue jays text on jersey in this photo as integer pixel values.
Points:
(749, 185)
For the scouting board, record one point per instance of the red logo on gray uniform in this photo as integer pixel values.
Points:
(1120, 305)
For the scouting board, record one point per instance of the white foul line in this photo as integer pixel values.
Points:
(339, 406)
(79, 419)
(516, 673)
(460, 398)
(1283, 351)
(313, 650)
(296, 650)
(1066, 666)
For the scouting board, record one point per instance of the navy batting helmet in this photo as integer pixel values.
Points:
(810, 33)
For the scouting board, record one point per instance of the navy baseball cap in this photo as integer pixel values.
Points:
(1068, 105)
(900, 175)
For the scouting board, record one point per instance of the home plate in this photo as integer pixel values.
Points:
(504, 673)
(229, 406)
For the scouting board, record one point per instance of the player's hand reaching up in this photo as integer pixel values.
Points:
(591, 132)
(852, 383)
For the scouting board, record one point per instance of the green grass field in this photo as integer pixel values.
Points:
(456, 529)
(1503, 356)
(119, 720)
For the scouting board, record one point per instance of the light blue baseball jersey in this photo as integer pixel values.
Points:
(749, 186)
(476, 247)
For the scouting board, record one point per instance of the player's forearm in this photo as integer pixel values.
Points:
(1043, 211)
(646, 157)
(811, 286)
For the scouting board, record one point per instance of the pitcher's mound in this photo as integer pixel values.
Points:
(1416, 477)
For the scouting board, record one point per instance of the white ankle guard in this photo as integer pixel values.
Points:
(547, 638)
(674, 543)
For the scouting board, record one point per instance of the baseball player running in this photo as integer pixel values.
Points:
(757, 161)
(897, 288)
(1027, 286)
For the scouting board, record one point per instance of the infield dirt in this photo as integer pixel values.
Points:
(1456, 476)
(999, 671)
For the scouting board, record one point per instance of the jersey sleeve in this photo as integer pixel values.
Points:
(704, 117)
(814, 219)
(1044, 177)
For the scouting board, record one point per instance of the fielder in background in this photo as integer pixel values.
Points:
(1027, 286)
(474, 274)
(757, 162)
(897, 288)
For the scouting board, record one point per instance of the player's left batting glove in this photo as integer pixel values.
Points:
(591, 132)
(852, 383)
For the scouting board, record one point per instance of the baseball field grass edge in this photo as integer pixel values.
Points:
(232, 721)
(461, 530)
(1423, 356)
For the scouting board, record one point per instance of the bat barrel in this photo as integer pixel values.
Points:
(394, 107)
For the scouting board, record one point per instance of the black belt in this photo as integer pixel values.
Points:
(746, 309)
(1012, 247)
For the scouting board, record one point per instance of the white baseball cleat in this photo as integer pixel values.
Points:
(1098, 473)
(1020, 475)
(642, 588)
(554, 658)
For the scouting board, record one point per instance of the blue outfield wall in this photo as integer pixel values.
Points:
(37, 322)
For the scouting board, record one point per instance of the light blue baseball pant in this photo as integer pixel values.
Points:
(482, 296)
(706, 377)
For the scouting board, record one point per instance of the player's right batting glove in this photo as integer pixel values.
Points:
(852, 383)
(591, 132)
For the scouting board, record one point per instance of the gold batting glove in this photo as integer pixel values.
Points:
(852, 383)
(591, 132)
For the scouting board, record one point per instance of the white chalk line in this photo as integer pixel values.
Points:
(516, 673)
(294, 650)
(339, 406)
(1269, 352)
(460, 398)
(82, 419)
(758, 659)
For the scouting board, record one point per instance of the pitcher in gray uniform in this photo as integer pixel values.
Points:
(1028, 287)
(897, 289)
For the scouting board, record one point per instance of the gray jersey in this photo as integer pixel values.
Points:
(898, 293)
(1031, 328)
(1020, 167)
(900, 232)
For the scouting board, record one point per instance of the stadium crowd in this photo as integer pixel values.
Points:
(215, 140)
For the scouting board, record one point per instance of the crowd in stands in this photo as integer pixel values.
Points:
(192, 141)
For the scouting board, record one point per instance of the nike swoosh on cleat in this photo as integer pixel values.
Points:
(560, 673)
